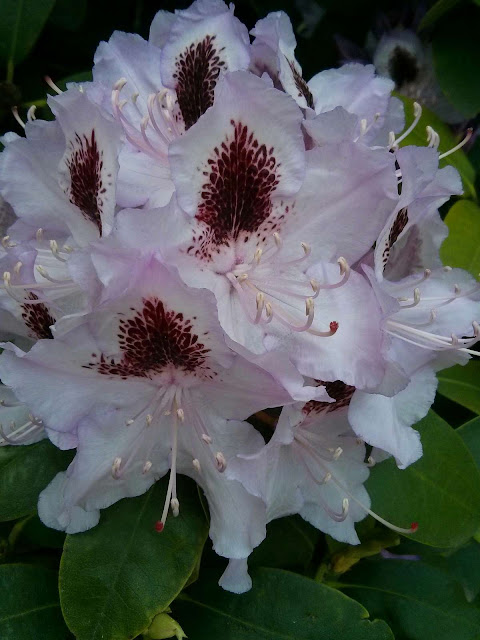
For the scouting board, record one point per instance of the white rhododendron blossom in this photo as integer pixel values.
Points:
(202, 234)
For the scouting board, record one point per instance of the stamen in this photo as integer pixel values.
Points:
(433, 139)
(17, 117)
(56, 251)
(458, 146)
(416, 300)
(220, 461)
(39, 235)
(116, 467)
(196, 465)
(417, 112)
(146, 467)
(17, 267)
(52, 85)
(31, 113)
(44, 273)
(6, 244)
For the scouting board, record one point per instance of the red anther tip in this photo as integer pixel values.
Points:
(414, 526)
(159, 526)
(333, 326)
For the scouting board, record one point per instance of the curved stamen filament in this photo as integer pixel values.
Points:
(417, 112)
(331, 477)
(462, 143)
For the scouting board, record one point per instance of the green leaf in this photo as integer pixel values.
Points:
(456, 57)
(24, 472)
(470, 434)
(290, 544)
(69, 15)
(418, 601)
(116, 577)
(447, 141)
(29, 606)
(435, 12)
(464, 565)
(21, 22)
(440, 491)
(280, 606)
(462, 246)
(462, 385)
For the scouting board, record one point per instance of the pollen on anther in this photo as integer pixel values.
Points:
(334, 326)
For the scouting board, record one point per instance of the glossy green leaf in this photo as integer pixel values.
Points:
(418, 137)
(439, 9)
(29, 606)
(470, 434)
(280, 606)
(24, 472)
(69, 15)
(290, 544)
(456, 57)
(441, 491)
(418, 601)
(462, 385)
(117, 576)
(462, 246)
(21, 22)
(464, 565)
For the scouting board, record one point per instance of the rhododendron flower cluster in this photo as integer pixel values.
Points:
(201, 234)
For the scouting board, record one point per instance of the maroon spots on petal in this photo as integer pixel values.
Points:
(342, 394)
(301, 85)
(86, 189)
(237, 194)
(37, 318)
(197, 71)
(153, 339)
(396, 229)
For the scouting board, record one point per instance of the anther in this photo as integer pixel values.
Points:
(119, 84)
(278, 239)
(175, 506)
(457, 290)
(306, 248)
(337, 453)
(257, 256)
(220, 461)
(55, 250)
(39, 235)
(327, 478)
(242, 277)
(146, 467)
(206, 438)
(260, 302)
(17, 267)
(345, 506)
(370, 461)
(181, 415)
(116, 467)
(149, 419)
(129, 422)
(196, 465)
(447, 269)
(31, 113)
(6, 244)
